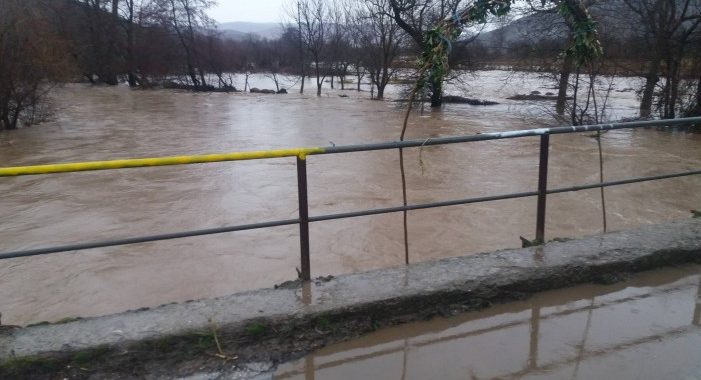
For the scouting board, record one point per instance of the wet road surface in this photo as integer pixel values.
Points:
(646, 328)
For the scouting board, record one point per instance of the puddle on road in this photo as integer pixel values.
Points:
(646, 328)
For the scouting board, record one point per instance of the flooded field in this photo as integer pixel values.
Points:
(97, 123)
(646, 328)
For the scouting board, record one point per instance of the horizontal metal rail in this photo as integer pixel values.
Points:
(623, 182)
(510, 135)
(145, 239)
(302, 153)
(320, 218)
(155, 162)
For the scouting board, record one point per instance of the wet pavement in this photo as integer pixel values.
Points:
(648, 327)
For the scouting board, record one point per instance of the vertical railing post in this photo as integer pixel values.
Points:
(305, 273)
(542, 187)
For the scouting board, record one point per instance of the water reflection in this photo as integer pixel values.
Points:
(645, 328)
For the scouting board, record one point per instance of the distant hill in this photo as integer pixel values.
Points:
(609, 15)
(239, 30)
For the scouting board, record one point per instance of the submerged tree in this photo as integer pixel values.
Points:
(379, 39)
(187, 18)
(32, 57)
(667, 27)
(436, 24)
(437, 45)
(312, 16)
(546, 10)
(417, 18)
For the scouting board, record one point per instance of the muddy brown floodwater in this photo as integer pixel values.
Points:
(646, 328)
(111, 123)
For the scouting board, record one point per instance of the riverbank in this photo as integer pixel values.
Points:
(273, 325)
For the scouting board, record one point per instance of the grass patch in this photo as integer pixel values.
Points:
(23, 367)
(256, 329)
(85, 358)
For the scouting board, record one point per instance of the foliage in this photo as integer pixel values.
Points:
(585, 45)
(433, 64)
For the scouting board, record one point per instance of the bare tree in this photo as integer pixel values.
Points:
(416, 17)
(667, 26)
(694, 108)
(186, 17)
(99, 44)
(32, 57)
(295, 36)
(355, 43)
(380, 39)
(548, 12)
(132, 13)
(338, 42)
(312, 16)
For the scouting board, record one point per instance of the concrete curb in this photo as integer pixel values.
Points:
(470, 282)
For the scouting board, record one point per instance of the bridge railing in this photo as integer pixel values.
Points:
(302, 154)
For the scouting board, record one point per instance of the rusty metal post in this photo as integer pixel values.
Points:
(542, 187)
(305, 273)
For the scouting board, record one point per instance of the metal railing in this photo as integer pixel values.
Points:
(301, 155)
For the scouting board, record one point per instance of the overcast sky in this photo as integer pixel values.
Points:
(248, 10)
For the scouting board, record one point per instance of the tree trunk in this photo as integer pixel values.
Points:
(319, 79)
(301, 46)
(15, 117)
(277, 83)
(5, 116)
(562, 86)
(436, 92)
(193, 75)
(109, 74)
(109, 77)
(573, 113)
(651, 80)
(382, 82)
(696, 109)
(674, 87)
(131, 74)
(3, 113)
(203, 81)
(131, 64)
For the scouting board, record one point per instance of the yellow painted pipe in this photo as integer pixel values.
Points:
(158, 161)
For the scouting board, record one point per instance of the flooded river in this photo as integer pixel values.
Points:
(97, 123)
(646, 328)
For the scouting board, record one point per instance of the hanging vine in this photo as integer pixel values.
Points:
(433, 64)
